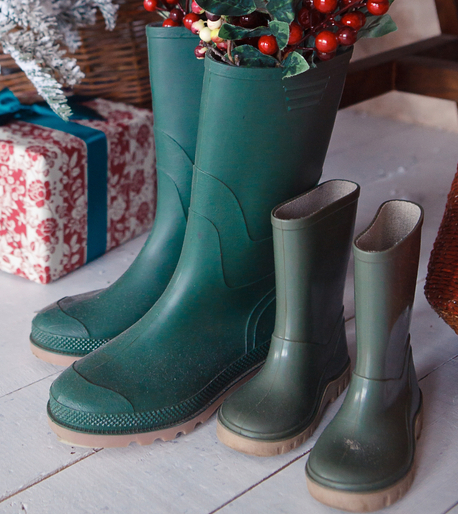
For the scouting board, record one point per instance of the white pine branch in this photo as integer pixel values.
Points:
(32, 32)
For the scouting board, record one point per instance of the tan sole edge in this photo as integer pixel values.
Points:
(366, 502)
(261, 448)
(87, 440)
(53, 358)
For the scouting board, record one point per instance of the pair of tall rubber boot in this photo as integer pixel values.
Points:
(180, 340)
(363, 461)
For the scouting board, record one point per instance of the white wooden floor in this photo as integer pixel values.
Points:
(196, 473)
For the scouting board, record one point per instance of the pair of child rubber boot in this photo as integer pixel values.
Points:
(364, 459)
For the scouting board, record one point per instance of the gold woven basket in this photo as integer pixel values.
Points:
(441, 287)
(115, 63)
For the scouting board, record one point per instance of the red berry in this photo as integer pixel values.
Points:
(295, 33)
(222, 45)
(170, 23)
(189, 19)
(309, 19)
(347, 36)
(196, 8)
(308, 4)
(176, 15)
(303, 17)
(199, 51)
(326, 42)
(150, 5)
(347, 3)
(268, 45)
(378, 8)
(325, 56)
(355, 20)
(325, 6)
(252, 20)
(171, 2)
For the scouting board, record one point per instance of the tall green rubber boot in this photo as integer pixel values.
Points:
(364, 460)
(261, 140)
(74, 326)
(308, 364)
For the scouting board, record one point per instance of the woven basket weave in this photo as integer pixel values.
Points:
(441, 287)
(115, 63)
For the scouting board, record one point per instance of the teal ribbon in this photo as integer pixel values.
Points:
(97, 158)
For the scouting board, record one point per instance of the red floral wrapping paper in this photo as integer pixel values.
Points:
(43, 190)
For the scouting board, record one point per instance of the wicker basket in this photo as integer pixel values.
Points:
(441, 287)
(115, 63)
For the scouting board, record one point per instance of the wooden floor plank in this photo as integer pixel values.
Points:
(29, 450)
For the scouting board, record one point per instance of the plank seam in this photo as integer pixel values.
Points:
(7, 496)
(450, 508)
(260, 482)
(28, 385)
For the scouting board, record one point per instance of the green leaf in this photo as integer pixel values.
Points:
(281, 10)
(294, 64)
(228, 7)
(251, 57)
(280, 29)
(377, 26)
(233, 32)
(261, 5)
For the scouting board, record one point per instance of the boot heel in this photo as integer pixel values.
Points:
(339, 386)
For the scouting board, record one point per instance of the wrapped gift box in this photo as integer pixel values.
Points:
(44, 191)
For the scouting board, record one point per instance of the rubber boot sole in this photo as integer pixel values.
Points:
(260, 448)
(51, 357)
(87, 440)
(367, 502)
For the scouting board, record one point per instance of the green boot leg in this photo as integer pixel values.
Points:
(364, 460)
(74, 326)
(308, 363)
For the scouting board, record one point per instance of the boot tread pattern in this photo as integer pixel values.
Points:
(162, 418)
(65, 344)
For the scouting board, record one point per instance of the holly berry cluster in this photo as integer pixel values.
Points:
(171, 10)
(278, 33)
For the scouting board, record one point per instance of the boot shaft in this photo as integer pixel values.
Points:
(266, 138)
(261, 140)
(386, 265)
(176, 85)
(312, 243)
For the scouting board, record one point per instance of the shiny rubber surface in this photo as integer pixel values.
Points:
(312, 243)
(369, 446)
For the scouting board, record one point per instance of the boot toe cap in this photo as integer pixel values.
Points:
(53, 320)
(77, 403)
(356, 464)
(261, 416)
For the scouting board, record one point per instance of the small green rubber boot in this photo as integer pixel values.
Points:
(211, 328)
(364, 460)
(74, 326)
(308, 364)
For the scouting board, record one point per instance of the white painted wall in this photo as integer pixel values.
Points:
(416, 20)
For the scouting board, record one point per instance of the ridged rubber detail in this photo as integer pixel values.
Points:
(161, 418)
(77, 346)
